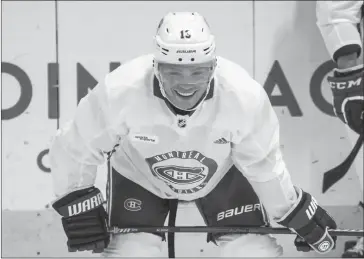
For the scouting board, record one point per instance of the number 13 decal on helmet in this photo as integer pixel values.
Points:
(185, 34)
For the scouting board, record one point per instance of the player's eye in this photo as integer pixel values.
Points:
(198, 73)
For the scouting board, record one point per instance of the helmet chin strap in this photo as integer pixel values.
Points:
(200, 102)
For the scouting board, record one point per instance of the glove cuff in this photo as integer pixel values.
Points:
(344, 71)
(299, 217)
(286, 219)
(79, 202)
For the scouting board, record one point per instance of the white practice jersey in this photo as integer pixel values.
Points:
(170, 155)
(340, 23)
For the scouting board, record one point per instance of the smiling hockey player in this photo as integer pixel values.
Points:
(341, 26)
(181, 124)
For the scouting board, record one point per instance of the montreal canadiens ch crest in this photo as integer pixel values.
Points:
(183, 171)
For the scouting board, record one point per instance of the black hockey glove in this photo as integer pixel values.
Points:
(84, 220)
(311, 223)
(348, 88)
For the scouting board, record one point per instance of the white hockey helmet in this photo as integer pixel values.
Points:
(184, 38)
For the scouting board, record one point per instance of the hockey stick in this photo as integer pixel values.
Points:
(334, 175)
(244, 230)
(173, 204)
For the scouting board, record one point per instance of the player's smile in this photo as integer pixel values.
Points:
(185, 94)
(186, 90)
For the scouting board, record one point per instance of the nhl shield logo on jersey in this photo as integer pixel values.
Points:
(182, 122)
(184, 172)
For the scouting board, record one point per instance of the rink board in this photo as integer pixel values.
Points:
(276, 42)
(28, 45)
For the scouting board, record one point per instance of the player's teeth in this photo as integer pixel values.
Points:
(186, 94)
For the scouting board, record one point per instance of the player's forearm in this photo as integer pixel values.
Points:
(278, 195)
(71, 168)
(341, 39)
(338, 21)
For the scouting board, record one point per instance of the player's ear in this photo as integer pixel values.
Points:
(214, 64)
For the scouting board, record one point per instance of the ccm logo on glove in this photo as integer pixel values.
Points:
(345, 85)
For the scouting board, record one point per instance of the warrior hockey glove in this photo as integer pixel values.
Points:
(84, 220)
(311, 223)
(347, 86)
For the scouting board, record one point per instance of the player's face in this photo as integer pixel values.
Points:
(185, 85)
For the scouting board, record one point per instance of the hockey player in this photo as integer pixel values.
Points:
(341, 26)
(180, 124)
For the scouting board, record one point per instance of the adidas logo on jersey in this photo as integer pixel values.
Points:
(221, 141)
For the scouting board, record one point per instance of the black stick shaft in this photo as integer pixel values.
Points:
(334, 175)
(252, 230)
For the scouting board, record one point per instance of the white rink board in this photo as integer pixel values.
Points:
(29, 43)
(312, 142)
(94, 34)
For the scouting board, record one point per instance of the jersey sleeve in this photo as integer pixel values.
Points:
(256, 153)
(338, 22)
(77, 148)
